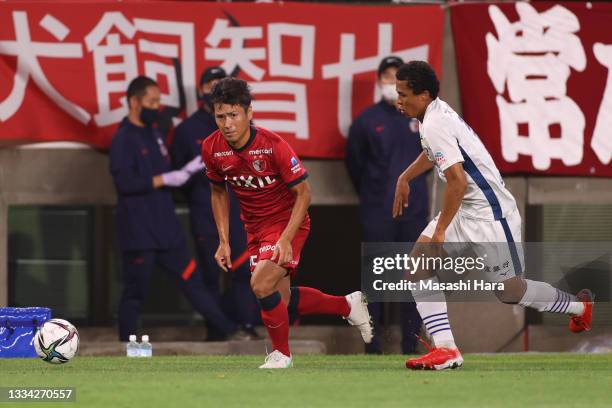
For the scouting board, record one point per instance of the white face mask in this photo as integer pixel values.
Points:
(389, 93)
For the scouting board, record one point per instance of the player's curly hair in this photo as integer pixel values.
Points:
(420, 77)
(231, 91)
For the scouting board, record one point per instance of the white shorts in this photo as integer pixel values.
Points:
(504, 256)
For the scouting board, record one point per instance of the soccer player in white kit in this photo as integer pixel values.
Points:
(477, 208)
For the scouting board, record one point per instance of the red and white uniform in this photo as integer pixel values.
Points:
(261, 174)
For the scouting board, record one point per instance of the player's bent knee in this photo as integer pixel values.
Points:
(265, 278)
(262, 290)
(514, 289)
(261, 287)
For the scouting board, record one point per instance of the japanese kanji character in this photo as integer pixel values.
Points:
(237, 55)
(532, 57)
(28, 66)
(349, 66)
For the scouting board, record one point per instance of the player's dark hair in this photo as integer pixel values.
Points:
(138, 86)
(231, 91)
(420, 77)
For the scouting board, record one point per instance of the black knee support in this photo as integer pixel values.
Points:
(270, 302)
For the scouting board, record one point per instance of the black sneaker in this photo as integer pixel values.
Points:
(249, 328)
(239, 335)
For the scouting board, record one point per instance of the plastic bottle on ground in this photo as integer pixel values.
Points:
(132, 349)
(146, 348)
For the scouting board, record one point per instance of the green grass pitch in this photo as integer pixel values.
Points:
(511, 380)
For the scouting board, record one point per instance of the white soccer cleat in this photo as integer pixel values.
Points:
(276, 359)
(360, 316)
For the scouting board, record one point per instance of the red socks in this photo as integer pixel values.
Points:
(313, 301)
(304, 301)
(276, 319)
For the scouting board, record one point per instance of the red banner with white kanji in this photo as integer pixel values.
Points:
(535, 84)
(65, 66)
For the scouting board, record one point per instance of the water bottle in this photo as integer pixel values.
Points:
(146, 348)
(132, 348)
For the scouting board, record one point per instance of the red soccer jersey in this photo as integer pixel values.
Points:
(260, 174)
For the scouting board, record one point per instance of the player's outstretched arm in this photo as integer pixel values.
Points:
(402, 189)
(283, 251)
(456, 184)
(219, 198)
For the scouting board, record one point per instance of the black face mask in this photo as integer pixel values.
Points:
(149, 116)
(205, 98)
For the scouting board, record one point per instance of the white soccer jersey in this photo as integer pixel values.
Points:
(447, 140)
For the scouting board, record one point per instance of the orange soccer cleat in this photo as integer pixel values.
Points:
(436, 359)
(582, 323)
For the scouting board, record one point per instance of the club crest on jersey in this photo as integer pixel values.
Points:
(439, 158)
(259, 165)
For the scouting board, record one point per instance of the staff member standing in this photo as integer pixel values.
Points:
(381, 144)
(186, 146)
(147, 227)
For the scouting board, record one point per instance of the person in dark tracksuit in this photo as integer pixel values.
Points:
(240, 301)
(381, 144)
(147, 227)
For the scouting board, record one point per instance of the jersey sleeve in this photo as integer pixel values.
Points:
(288, 164)
(211, 171)
(444, 146)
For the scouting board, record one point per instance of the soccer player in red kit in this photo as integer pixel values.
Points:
(270, 184)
